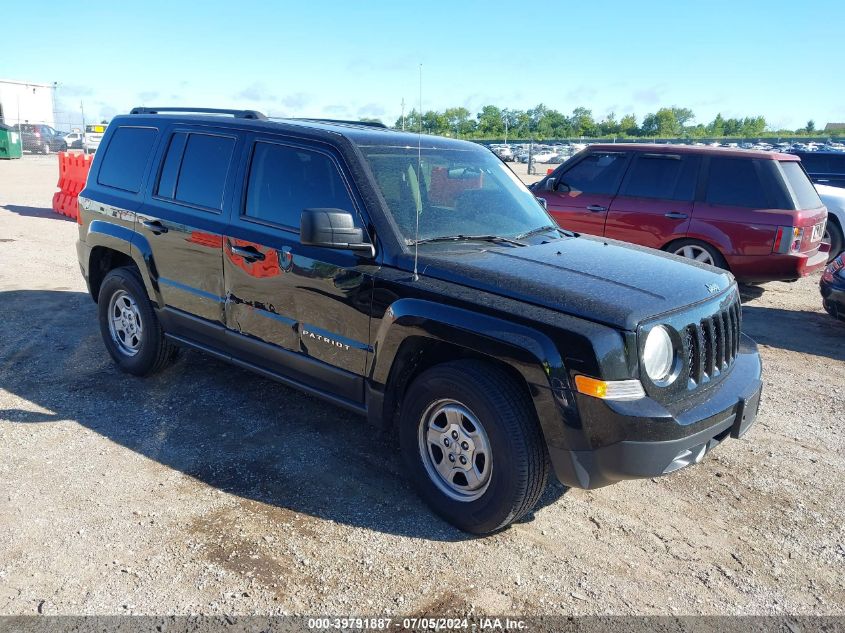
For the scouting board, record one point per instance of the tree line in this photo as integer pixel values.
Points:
(542, 122)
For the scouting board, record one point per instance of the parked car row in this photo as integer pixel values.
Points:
(41, 138)
(519, 153)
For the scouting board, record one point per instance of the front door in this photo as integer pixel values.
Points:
(585, 190)
(301, 312)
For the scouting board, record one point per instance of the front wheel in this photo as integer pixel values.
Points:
(472, 445)
(128, 324)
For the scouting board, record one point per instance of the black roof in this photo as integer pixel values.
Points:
(808, 152)
(361, 133)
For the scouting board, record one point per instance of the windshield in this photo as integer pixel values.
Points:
(453, 192)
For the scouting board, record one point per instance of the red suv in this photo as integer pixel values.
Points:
(753, 213)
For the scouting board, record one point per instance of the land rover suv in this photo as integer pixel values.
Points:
(754, 213)
(416, 281)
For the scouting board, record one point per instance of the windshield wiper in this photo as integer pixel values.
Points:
(543, 229)
(496, 239)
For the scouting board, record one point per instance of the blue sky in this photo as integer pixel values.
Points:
(350, 59)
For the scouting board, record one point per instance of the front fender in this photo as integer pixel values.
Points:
(528, 351)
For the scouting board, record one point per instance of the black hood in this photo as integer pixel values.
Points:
(598, 279)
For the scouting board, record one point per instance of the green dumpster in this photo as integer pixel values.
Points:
(10, 142)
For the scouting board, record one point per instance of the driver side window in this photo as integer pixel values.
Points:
(597, 173)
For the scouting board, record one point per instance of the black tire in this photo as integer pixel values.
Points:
(154, 351)
(833, 234)
(519, 467)
(715, 255)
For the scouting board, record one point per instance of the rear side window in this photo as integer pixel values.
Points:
(597, 173)
(734, 182)
(126, 158)
(664, 176)
(195, 169)
(284, 180)
(802, 189)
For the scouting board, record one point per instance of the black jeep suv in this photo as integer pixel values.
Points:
(416, 281)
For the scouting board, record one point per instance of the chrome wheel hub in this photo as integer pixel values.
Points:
(455, 450)
(125, 323)
(691, 251)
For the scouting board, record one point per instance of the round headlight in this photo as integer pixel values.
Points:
(658, 354)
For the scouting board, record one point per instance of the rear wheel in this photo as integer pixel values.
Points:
(472, 445)
(128, 324)
(698, 251)
(833, 236)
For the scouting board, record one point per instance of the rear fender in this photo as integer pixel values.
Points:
(124, 240)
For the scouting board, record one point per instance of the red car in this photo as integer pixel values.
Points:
(753, 213)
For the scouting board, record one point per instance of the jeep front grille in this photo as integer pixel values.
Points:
(713, 343)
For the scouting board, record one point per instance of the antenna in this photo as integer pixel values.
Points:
(419, 183)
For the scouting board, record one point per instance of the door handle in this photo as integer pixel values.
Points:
(596, 208)
(156, 227)
(249, 253)
(675, 215)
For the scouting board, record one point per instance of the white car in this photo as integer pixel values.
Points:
(834, 200)
(73, 140)
(92, 137)
(544, 156)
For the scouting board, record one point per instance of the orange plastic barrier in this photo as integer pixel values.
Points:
(73, 172)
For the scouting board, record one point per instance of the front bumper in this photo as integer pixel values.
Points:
(655, 440)
(776, 266)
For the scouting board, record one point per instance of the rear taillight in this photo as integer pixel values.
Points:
(788, 239)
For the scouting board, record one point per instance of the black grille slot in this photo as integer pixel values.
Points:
(713, 344)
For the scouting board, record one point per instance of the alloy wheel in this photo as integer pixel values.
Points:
(697, 253)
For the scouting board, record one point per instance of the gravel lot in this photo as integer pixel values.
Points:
(209, 490)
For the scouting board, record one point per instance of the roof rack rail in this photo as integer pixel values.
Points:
(376, 124)
(238, 114)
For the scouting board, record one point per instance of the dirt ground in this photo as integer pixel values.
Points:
(208, 490)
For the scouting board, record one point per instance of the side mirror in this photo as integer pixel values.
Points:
(332, 228)
(543, 202)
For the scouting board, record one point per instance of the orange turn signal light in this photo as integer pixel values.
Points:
(609, 389)
(591, 386)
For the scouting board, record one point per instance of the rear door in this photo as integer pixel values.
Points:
(655, 201)
(590, 185)
(731, 212)
(183, 220)
(298, 311)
